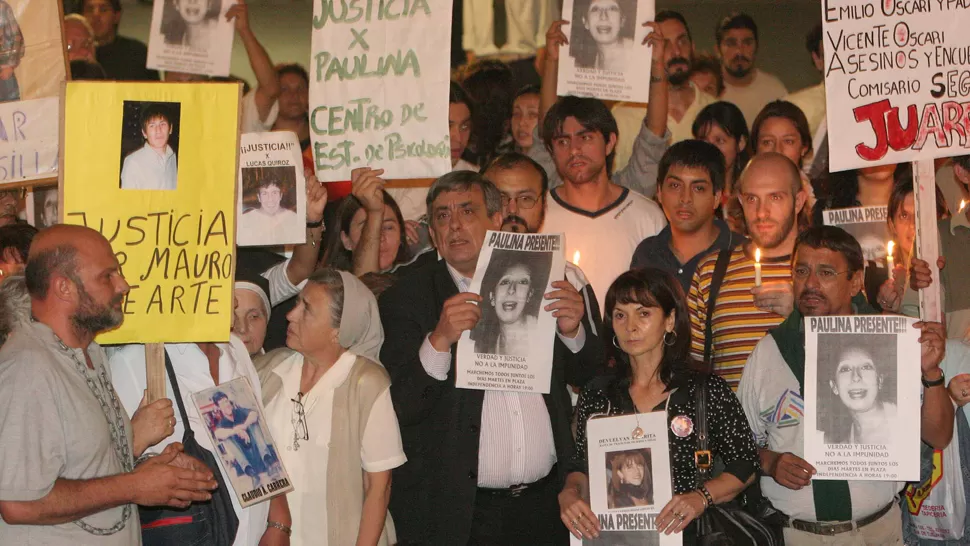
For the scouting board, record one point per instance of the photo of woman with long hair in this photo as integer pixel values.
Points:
(190, 22)
(512, 290)
(602, 32)
(629, 478)
(856, 388)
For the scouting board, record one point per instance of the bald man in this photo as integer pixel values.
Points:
(742, 311)
(67, 449)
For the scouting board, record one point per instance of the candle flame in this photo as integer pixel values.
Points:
(757, 255)
(889, 247)
(576, 258)
(963, 205)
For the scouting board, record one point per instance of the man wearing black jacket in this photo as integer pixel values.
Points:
(482, 465)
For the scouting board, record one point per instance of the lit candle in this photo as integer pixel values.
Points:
(890, 261)
(963, 205)
(757, 267)
(576, 258)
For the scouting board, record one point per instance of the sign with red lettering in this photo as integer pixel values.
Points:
(897, 78)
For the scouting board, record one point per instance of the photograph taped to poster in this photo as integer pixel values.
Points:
(510, 349)
(629, 479)
(191, 36)
(379, 84)
(272, 190)
(862, 397)
(41, 206)
(868, 226)
(605, 57)
(240, 434)
(895, 80)
(32, 70)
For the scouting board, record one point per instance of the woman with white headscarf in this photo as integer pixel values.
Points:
(329, 408)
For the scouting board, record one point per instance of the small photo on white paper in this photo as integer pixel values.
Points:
(191, 36)
(269, 205)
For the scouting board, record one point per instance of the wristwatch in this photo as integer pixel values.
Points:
(314, 225)
(935, 382)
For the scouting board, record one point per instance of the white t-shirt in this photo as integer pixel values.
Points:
(773, 404)
(411, 201)
(380, 449)
(751, 98)
(607, 238)
(250, 115)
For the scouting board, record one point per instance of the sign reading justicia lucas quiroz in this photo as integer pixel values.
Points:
(897, 78)
(379, 77)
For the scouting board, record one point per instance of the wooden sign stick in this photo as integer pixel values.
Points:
(155, 371)
(927, 237)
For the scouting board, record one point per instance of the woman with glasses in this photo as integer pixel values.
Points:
(329, 409)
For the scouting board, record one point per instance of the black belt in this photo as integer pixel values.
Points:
(519, 489)
(835, 528)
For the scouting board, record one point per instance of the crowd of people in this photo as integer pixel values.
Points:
(695, 226)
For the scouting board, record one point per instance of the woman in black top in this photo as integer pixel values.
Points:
(648, 323)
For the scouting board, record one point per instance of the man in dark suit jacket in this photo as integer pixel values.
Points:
(481, 464)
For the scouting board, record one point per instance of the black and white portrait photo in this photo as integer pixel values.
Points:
(629, 478)
(872, 237)
(512, 290)
(601, 34)
(190, 23)
(149, 145)
(45, 207)
(269, 205)
(856, 388)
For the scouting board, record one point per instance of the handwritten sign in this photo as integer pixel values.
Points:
(897, 74)
(28, 140)
(379, 88)
(175, 246)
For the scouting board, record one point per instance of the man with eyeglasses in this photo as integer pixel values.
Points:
(827, 270)
(735, 315)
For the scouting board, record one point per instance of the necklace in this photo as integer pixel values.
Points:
(111, 409)
(638, 433)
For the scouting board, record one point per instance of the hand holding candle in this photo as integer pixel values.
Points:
(757, 267)
(890, 261)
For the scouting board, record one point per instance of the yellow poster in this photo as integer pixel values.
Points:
(152, 166)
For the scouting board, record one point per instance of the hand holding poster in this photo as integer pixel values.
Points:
(605, 57)
(899, 69)
(244, 446)
(511, 346)
(629, 479)
(153, 167)
(272, 190)
(379, 80)
(191, 36)
(862, 397)
(868, 226)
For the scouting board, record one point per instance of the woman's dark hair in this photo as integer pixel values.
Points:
(173, 25)
(651, 287)
(831, 418)
(582, 47)
(17, 237)
(490, 84)
(538, 264)
(903, 186)
(615, 461)
(338, 257)
(729, 118)
(786, 110)
(591, 113)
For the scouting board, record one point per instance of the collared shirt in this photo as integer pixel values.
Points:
(192, 373)
(629, 117)
(146, 169)
(263, 229)
(751, 98)
(380, 447)
(53, 427)
(515, 441)
(656, 252)
(526, 22)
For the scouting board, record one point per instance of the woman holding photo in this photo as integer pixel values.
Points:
(647, 322)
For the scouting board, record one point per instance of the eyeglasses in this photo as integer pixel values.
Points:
(522, 201)
(300, 431)
(824, 274)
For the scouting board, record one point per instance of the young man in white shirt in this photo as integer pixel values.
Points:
(154, 166)
(748, 87)
(270, 220)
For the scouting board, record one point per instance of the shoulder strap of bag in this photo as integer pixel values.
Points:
(178, 395)
(702, 457)
(720, 269)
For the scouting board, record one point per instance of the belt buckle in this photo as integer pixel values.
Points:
(517, 490)
(702, 459)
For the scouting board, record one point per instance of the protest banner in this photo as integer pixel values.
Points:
(901, 70)
(510, 349)
(191, 36)
(862, 397)
(629, 478)
(176, 245)
(272, 190)
(379, 83)
(868, 226)
(605, 57)
(34, 67)
(241, 436)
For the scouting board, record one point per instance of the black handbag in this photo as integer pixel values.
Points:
(726, 524)
(209, 523)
